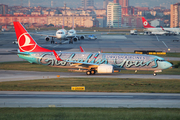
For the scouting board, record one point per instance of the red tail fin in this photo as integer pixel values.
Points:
(146, 24)
(25, 41)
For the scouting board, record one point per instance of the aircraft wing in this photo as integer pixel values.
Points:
(54, 36)
(83, 65)
(167, 30)
(71, 36)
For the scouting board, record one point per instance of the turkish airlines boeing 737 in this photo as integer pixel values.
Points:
(92, 62)
(159, 31)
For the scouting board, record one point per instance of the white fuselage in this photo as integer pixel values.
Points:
(72, 32)
(61, 34)
(161, 31)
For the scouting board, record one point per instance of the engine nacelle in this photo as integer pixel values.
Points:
(47, 38)
(82, 37)
(75, 38)
(104, 68)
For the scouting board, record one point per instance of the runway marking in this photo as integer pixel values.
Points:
(157, 37)
(165, 44)
(162, 42)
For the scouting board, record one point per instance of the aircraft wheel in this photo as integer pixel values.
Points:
(93, 72)
(155, 74)
(88, 73)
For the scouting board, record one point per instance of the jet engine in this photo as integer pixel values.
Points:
(82, 37)
(47, 38)
(75, 38)
(104, 68)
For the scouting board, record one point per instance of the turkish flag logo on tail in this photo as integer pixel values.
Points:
(25, 41)
(146, 24)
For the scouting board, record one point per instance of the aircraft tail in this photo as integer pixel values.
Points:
(146, 24)
(25, 42)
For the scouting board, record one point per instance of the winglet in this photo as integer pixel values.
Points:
(82, 50)
(56, 55)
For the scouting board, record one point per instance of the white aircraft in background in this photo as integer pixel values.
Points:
(159, 31)
(62, 34)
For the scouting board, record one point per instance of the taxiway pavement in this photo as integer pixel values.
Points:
(13, 75)
(88, 99)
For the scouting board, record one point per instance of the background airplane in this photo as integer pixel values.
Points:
(92, 62)
(159, 31)
(63, 34)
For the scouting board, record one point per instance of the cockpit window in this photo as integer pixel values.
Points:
(60, 32)
(160, 60)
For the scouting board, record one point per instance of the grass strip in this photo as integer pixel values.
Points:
(95, 85)
(26, 66)
(89, 114)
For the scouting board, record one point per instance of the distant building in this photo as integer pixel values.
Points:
(167, 12)
(143, 13)
(175, 15)
(3, 9)
(159, 8)
(114, 15)
(24, 19)
(102, 21)
(129, 10)
(142, 8)
(157, 23)
(132, 21)
(123, 3)
(79, 20)
(56, 20)
(105, 3)
(87, 3)
(100, 12)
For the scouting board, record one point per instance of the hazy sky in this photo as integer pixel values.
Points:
(98, 3)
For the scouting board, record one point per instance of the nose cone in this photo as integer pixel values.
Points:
(166, 65)
(60, 36)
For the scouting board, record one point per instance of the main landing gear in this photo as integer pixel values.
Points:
(52, 41)
(71, 41)
(91, 72)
